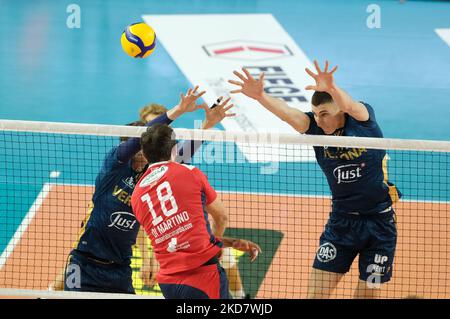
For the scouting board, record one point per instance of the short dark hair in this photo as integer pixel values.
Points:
(320, 98)
(135, 123)
(157, 143)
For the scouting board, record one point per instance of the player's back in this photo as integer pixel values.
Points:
(169, 202)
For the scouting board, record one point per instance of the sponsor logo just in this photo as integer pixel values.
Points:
(123, 221)
(348, 173)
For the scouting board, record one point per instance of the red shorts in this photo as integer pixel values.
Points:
(206, 282)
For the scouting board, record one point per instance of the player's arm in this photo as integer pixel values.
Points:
(187, 104)
(216, 208)
(213, 205)
(219, 215)
(128, 149)
(220, 222)
(150, 265)
(325, 83)
(216, 113)
(243, 245)
(254, 89)
(213, 115)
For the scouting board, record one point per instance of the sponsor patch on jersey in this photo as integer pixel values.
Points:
(348, 173)
(154, 176)
(129, 181)
(123, 221)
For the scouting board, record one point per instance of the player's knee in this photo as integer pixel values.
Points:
(315, 292)
(364, 291)
(322, 283)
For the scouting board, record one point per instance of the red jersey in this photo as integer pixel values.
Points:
(169, 201)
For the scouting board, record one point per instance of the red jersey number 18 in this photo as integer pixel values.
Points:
(163, 199)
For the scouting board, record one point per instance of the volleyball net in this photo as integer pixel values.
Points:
(274, 190)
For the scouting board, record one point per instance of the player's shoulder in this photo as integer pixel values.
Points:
(368, 106)
(181, 167)
(190, 169)
(370, 110)
(188, 166)
(111, 163)
(111, 156)
(313, 129)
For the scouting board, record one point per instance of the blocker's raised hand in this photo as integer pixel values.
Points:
(218, 113)
(324, 79)
(249, 86)
(187, 102)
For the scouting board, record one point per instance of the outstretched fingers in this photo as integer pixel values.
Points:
(255, 250)
(225, 109)
(316, 64)
(311, 73)
(312, 87)
(325, 70)
(261, 77)
(236, 83)
(240, 76)
(193, 97)
(195, 89)
(249, 76)
(224, 102)
(199, 95)
(203, 106)
(334, 69)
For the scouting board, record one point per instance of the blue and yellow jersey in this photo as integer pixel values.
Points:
(357, 177)
(110, 230)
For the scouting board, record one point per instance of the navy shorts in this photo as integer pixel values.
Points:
(206, 282)
(373, 238)
(84, 273)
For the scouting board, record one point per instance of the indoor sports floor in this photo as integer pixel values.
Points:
(49, 72)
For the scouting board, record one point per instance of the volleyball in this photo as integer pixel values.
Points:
(138, 40)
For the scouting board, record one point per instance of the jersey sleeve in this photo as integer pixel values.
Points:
(129, 148)
(109, 166)
(111, 161)
(313, 128)
(207, 189)
(372, 120)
